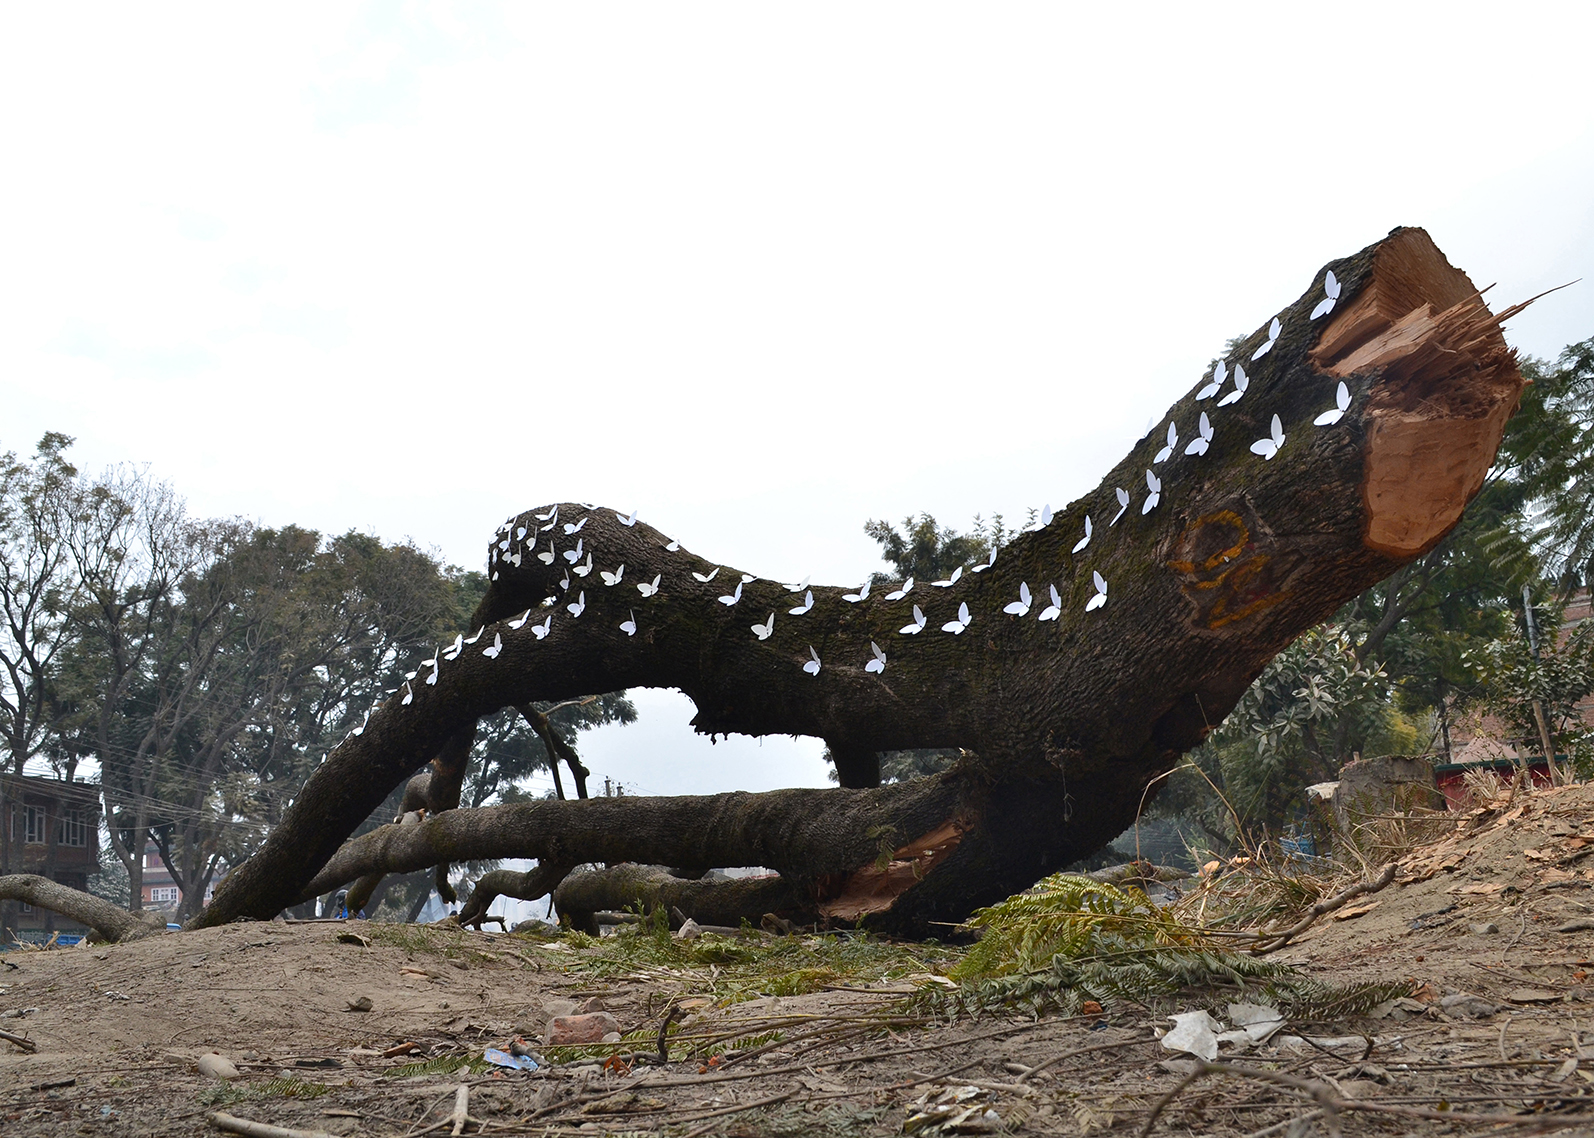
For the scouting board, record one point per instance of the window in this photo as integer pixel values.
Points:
(159, 893)
(34, 825)
(69, 829)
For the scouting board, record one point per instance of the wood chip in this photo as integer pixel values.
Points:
(1355, 911)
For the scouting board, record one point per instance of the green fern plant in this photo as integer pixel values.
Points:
(1067, 915)
(1072, 939)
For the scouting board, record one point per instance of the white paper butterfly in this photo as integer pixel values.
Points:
(797, 588)
(631, 521)
(706, 578)
(956, 627)
(1330, 295)
(812, 667)
(1269, 447)
(360, 730)
(1101, 592)
(1219, 375)
(549, 516)
(907, 587)
(437, 668)
(629, 626)
(762, 631)
(1273, 331)
(454, 649)
(647, 589)
(950, 581)
(1019, 607)
(574, 555)
(1240, 384)
(672, 546)
(1123, 504)
(734, 597)
(547, 558)
(1166, 452)
(409, 695)
(1154, 484)
(520, 620)
(1342, 404)
(574, 528)
(861, 595)
(498, 646)
(584, 568)
(580, 605)
(564, 582)
(808, 603)
(1199, 444)
(1055, 609)
(748, 578)
(1045, 518)
(520, 534)
(477, 636)
(878, 664)
(612, 579)
(918, 623)
(541, 630)
(988, 564)
(1084, 541)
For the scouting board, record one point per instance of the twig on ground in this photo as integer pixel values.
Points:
(737, 1109)
(1333, 1104)
(223, 1121)
(1056, 1059)
(19, 1041)
(1279, 940)
(671, 1014)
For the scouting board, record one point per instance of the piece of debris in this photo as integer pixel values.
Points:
(1463, 1004)
(565, 1031)
(214, 1065)
(1258, 1022)
(951, 1110)
(1483, 928)
(353, 938)
(1195, 1033)
(362, 1004)
(514, 1062)
(1577, 925)
(689, 930)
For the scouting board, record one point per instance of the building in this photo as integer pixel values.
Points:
(56, 826)
(161, 892)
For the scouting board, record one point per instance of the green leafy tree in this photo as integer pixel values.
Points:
(1556, 678)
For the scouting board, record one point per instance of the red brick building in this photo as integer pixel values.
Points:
(56, 827)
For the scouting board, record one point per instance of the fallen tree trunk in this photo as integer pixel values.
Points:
(111, 922)
(1301, 494)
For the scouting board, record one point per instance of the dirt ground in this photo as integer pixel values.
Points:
(1494, 921)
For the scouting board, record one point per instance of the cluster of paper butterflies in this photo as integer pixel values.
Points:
(516, 542)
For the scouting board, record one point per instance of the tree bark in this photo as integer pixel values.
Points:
(109, 921)
(1066, 719)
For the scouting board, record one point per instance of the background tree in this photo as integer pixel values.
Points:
(36, 590)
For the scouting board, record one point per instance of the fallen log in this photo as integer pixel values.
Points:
(1339, 441)
(110, 922)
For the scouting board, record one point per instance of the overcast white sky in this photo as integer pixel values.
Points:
(761, 271)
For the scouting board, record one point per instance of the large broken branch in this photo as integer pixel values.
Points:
(1228, 550)
(111, 922)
